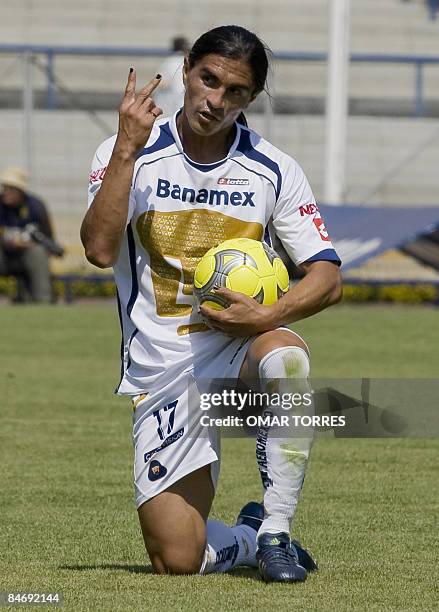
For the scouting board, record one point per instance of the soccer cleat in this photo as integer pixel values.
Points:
(252, 514)
(278, 560)
(305, 559)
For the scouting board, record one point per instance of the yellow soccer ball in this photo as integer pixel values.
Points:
(240, 264)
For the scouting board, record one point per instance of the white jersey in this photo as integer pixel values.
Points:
(178, 210)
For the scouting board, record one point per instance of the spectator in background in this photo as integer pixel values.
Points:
(170, 96)
(21, 216)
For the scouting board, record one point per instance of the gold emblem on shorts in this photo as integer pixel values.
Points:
(137, 399)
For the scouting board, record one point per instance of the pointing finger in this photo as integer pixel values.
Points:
(130, 89)
(148, 89)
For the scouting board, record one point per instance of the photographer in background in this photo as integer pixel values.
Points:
(26, 239)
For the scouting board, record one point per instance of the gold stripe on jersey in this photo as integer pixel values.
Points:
(185, 236)
(192, 328)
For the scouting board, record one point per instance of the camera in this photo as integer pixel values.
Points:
(37, 236)
(31, 232)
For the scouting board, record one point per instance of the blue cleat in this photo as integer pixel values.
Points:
(278, 560)
(252, 514)
(305, 559)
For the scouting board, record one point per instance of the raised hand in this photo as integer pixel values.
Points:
(137, 115)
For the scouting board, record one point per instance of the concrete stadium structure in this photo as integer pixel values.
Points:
(64, 141)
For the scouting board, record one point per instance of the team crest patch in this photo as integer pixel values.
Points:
(156, 470)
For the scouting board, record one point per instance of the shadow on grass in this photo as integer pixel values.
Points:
(246, 572)
(133, 569)
(239, 572)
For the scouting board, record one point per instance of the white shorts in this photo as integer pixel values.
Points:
(169, 441)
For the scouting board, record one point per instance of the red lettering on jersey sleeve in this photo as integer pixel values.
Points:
(323, 232)
(97, 175)
(308, 209)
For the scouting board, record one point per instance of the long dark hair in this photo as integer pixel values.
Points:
(236, 43)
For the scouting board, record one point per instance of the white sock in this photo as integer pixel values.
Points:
(228, 547)
(282, 456)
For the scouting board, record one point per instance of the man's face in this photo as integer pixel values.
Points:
(12, 196)
(217, 90)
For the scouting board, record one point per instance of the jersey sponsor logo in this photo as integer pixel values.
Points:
(97, 175)
(213, 197)
(224, 180)
(308, 209)
(156, 470)
(167, 442)
(323, 232)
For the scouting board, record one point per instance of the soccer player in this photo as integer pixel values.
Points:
(162, 192)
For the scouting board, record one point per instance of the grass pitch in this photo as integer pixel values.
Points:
(67, 517)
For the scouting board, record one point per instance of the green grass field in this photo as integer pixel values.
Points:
(67, 517)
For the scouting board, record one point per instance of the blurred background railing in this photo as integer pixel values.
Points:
(49, 55)
(59, 101)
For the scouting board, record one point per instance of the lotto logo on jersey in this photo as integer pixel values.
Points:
(97, 175)
(320, 225)
(232, 181)
(213, 197)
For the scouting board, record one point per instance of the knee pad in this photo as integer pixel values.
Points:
(285, 362)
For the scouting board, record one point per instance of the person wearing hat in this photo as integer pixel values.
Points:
(20, 255)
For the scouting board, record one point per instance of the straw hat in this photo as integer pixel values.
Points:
(14, 177)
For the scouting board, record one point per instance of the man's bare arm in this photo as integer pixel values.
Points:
(321, 287)
(104, 224)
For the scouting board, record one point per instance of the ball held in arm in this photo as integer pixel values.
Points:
(243, 265)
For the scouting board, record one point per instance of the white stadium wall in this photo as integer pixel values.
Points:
(377, 26)
(380, 25)
(64, 141)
